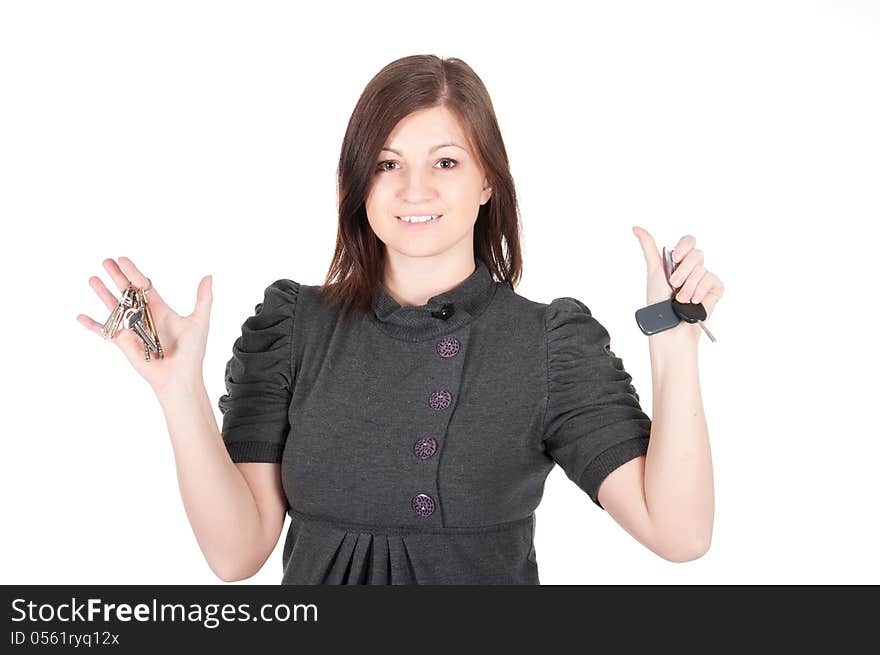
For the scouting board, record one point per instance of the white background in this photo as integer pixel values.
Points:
(202, 138)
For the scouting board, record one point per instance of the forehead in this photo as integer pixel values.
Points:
(427, 127)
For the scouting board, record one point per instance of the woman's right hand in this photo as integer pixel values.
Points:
(183, 338)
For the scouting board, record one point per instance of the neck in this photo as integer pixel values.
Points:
(411, 281)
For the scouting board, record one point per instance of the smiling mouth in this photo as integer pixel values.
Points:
(418, 220)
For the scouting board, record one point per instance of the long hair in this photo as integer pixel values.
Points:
(406, 85)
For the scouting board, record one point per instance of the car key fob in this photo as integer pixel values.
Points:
(692, 312)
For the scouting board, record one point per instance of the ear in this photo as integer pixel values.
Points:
(487, 193)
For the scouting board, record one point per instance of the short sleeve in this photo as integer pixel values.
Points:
(594, 422)
(259, 379)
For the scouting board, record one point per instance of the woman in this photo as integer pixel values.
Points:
(406, 413)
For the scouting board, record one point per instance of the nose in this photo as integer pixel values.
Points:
(417, 187)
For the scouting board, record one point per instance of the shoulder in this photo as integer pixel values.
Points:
(572, 330)
(307, 309)
(516, 312)
(280, 297)
(568, 327)
(552, 315)
(564, 309)
(284, 289)
(567, 318)
(559, 323)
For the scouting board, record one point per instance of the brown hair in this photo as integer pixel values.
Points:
(400, 88)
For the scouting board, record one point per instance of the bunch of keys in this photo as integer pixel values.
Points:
(691, 312)
(133, 313)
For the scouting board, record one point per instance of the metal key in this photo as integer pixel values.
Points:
(141, 302)
(687, 311)
(133, 318)
(114, 322)
(151, 324)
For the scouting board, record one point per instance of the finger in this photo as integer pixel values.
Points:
(649, 248)
(683, 247)
(90, 324)
(141, 281)
(687, 289)
(693, 259)
(109, 300)
(116, 274)
(709, 300)
(133, 273)
(123, 338)
(714, 294)
(204, 297)
(704, 287)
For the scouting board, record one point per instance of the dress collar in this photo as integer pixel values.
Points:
(442, 313)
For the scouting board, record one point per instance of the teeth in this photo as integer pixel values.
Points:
(417, 219)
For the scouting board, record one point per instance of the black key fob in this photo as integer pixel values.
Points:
(689, 311)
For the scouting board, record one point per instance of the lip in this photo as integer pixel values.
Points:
(416, 226)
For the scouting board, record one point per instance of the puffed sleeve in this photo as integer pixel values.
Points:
(259, 379)
(594, 422)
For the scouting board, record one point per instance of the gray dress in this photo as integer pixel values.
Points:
(414, 442)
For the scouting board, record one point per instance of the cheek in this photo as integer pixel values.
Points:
(461, 192)
(378, 197)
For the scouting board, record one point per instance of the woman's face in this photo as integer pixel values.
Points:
(420, 174)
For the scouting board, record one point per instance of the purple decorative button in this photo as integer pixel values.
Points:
(425, 447)
(423, 505)
(440, 400)
(448, 347)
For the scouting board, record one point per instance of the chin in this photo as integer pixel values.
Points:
(419, 249)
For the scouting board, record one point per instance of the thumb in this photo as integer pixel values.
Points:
(204, 297)
(649, 248)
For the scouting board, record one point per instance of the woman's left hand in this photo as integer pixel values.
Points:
(691, 279)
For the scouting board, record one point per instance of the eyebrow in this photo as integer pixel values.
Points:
(442, 145)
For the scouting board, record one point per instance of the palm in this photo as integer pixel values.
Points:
(182, 342)
(183, 338)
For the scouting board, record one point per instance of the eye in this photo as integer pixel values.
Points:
(381, 167)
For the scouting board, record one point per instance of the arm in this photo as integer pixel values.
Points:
(236, 510)
(666, 499)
